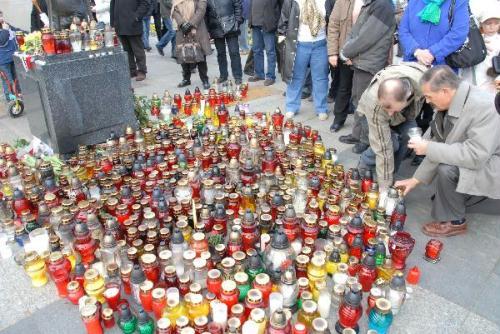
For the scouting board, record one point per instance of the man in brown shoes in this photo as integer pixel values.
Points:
(463, 155)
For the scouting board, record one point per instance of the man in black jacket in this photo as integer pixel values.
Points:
(264, 18)
(126, 17)
(223, 18)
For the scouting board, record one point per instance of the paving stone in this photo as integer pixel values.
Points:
(487, 303)
(476, 324)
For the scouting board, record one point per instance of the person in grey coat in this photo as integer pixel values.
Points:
(463, 154)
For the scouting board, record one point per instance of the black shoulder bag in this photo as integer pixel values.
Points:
(473, 51)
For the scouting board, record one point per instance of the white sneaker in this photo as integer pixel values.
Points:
(289, 114)
(323, 116)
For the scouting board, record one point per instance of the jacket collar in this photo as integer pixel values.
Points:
(458, 101)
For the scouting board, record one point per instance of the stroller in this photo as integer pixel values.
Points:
(14, 98)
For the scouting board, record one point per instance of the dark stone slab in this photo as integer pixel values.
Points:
(77, 98)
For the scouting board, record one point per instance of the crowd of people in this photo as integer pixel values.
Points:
(402, 68)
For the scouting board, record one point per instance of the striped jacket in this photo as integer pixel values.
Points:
(379, 122)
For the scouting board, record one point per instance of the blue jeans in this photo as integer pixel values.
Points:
(169, 36)
(264, 40)
(243, 39)
(314, 55)
(145, 31)
(399, 137)
(10, 73)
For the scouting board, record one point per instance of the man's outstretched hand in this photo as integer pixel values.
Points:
(407, 185)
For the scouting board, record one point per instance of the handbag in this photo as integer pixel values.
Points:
(228, 24)
(473, 51)
(189, 52)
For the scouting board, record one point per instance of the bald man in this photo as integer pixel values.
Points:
(391, 103)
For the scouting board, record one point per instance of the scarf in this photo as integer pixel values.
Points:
(185, 8)
(312, 17)
(431, 12)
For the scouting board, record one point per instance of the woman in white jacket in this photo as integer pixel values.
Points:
(101, 10)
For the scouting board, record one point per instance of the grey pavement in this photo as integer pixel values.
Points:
(460, 294)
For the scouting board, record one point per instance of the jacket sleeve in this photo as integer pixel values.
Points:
(199, 13)
(456, 36)
(475, 151)
(238, 11)
(334, 31)
(379, 135)
(426, 172)
(112, 13)
(285, 16)
(408, 43)
(329, 4)
(142, 9)
(378, 24)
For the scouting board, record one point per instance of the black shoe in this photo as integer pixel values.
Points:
(221, 80)
(335, 127)
(268, 82)
(148, 49)
(255, 79)
(133, 74)
(160, 51)
(417, 160)
(349, 139)
(193, 70)
(248, 73)
(184, 83)
(330, 99)
(206, 85)
(359, 148)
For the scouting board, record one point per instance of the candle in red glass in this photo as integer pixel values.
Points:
(299, 328)
(223, 115)
(375, 293)
(20, 203)
(367, 181)
(433, 250)
(108, 318)
(399, 213)
(199, 243)
(400, 245)
(356, 249)
(233, 147)
(249, 232)
(151, 267)
(92, 320)
(278, 118)
(184, 283)
(253, 300)
(353, 266)
(125, 272)
(122, 213)
(112, 295)
(59, 269)
(170, 277)
(214, 282)
(269, 162)
(234, 202)
(229, 294)
(159, 301)
(262, 282)
(187, 96)
(354, 228)
(48, 41)
(145, 295)
(290, 224)
(178, 101)
(84, 243)
(367, 273)
(197, 94)
(370, 229)
(215, 328)
(310, 228)
(350, 311)
(75, 291)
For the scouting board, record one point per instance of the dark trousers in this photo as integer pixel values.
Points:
(343, 99)
(360, 81)
(157, 21)
(10, 74)
(234, 54)
(448, 204)
(334, 85)
(134, 47)
(202, 70)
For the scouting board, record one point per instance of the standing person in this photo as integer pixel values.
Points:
(339, 28)
(146, 22)
(223, 20)
(169, 36)
(7, 48)
(188, 17)
(479, 75)
(463, 155)
(264, 17)
(367, 49)
(126, 18)
(101, 10)
(303, 27)
(157, 19)
(39, 18)
(245, 12)
(425, 33)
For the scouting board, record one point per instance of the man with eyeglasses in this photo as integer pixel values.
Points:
(391, 103)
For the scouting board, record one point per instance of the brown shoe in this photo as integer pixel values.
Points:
(443, 229)
(140, 76)
(268, 82)
(255, 79)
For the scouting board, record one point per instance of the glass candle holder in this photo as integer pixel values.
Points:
(35, 267)
(91, 319)
(39, 240)
(380, 318)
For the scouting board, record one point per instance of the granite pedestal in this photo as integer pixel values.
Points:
(78, 98)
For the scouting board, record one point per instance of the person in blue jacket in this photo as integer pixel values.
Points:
(425, 33)
(8, 47)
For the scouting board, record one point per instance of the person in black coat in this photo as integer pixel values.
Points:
(39, 7)
(126, 17)
(223, 19)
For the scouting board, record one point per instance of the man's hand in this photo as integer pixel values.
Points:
(424, 57)
(407, 185)
(334, 60)
(418, 145)
(45, 19)
(348, 62)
